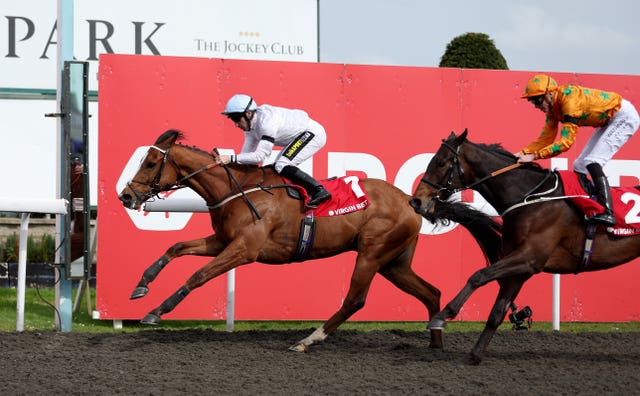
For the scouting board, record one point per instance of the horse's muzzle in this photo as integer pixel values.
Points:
(423, 210)
(415, 204)
(127, 201)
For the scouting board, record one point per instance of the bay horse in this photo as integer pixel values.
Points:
(255, 220)
(544, 236)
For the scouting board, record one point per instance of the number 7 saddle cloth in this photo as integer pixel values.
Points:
(347, 196)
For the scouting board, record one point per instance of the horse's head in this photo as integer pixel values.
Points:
(155, 174)
(442, 177)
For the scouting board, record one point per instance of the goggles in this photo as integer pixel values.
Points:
(536, 100)
(235, 117)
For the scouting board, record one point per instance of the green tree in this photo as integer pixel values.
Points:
(473, 51)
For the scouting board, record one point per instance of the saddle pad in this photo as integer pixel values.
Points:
(626, 204)
(347, 196)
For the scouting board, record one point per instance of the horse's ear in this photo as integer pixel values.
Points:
(173, 138)
(460, 139)
(168, 138)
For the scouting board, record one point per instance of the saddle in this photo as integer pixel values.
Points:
(626, 202)
(626, 208)
(347, 196)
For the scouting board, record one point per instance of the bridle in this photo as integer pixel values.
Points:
(445, 191)
(155, 187)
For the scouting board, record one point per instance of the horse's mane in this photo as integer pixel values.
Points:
(178, 135)
(497, 148)
(170, 134)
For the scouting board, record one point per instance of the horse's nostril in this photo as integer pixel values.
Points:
(415, 203)
(125, 198)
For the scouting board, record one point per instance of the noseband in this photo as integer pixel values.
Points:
(156, 188)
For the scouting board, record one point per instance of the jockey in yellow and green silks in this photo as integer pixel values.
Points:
(573, 106)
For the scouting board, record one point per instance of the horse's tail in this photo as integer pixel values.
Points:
(486, 231)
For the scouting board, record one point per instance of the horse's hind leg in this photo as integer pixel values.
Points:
(209, 246)
(360, 281)
(408, 281)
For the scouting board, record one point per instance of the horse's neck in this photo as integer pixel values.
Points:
(506, 189)
(220, 183)
(200, 173)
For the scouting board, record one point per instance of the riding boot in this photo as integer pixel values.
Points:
(317, 193)
(603, 194)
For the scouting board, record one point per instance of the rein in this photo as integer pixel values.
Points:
(493, 174)
(239, 187)
(243, 193)
(444, 192)
(540, 196)
(156, 188)
(178, 184)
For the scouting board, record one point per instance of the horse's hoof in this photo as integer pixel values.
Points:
(138, 292)
(151, 319)
(436, 324)
(436, 348)
(299, 348)
(474, 359)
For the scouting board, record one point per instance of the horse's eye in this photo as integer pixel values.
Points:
(151, 165)
(441, 164)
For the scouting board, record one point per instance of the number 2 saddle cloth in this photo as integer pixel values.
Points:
(626, 202)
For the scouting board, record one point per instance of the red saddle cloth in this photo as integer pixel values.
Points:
(347, 196)
(626, 204)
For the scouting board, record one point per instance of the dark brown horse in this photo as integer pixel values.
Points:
(545, 236)
(255, 220)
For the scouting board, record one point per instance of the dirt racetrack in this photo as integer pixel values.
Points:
(206, 362)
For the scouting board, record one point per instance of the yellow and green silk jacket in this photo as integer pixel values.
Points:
(573, 106)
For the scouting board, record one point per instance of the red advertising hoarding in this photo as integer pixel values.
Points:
(382, 122)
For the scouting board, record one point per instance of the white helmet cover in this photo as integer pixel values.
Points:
(239, 103)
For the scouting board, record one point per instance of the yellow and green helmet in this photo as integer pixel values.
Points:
(538, 85)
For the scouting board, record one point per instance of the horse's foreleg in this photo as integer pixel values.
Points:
(509, 289)
(450, 311)
(514, 265)
(153, 317)
(149, 275)
(209, 246)
(231, 257)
